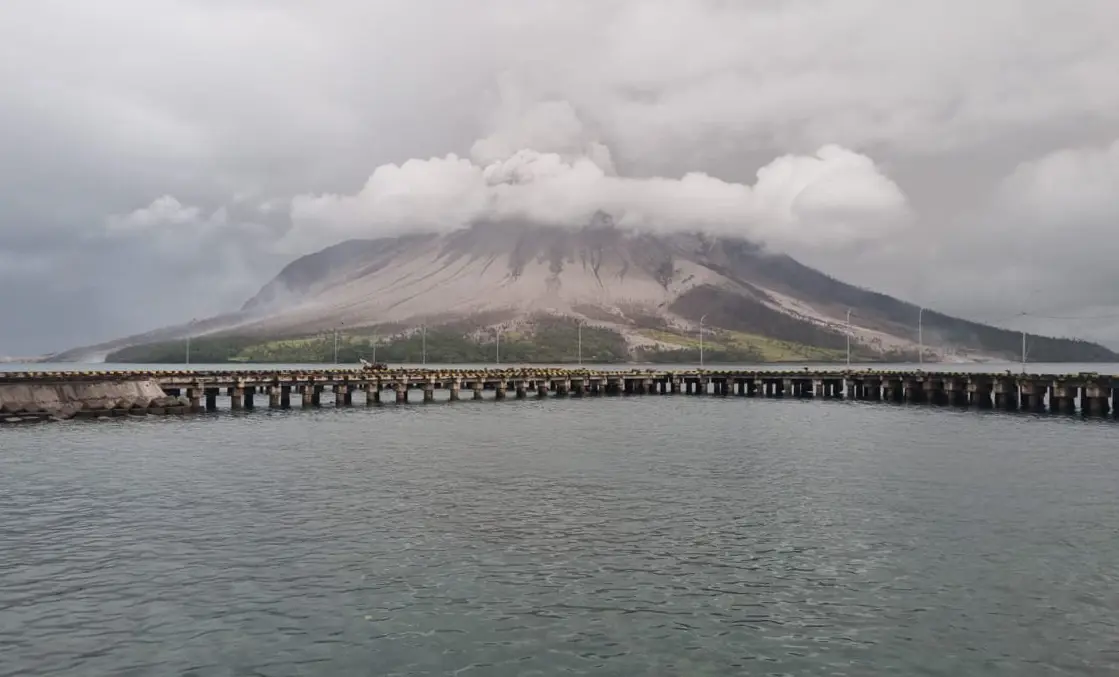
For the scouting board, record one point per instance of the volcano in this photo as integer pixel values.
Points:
(636, 283)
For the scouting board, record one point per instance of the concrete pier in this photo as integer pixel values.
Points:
(1086, 394)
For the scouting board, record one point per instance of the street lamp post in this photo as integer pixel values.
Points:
(497, 344)
(579, 339)
(921, 336)
(192, 321)
(848, 337)
(374, 347)
(701, 319)
(423, 343)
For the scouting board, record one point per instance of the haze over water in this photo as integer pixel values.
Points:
(610, 536)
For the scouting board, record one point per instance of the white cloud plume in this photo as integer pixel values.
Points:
(831, 198)
(290, 98)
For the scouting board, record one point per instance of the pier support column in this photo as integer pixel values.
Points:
(195, 396)
(285, 397)
(955, 392)
(372, 394)
(579, 386)
(979, 390)
(563, 387)
(542, 388)
(211, 399)
(250, 397)
(307, 395)
(934, 390)
(476, 387)
(237, 398)
(1006, 394)
(521, 389)
(674, 383)
(1063, 398)
(274, 397)
(1033, 395)
(502, 387)
(429, 390)
(912, 389)
(1094, 399)
(401, 388)
(455, 385)
(316, 395)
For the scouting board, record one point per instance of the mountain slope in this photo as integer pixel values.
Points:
(653, 289)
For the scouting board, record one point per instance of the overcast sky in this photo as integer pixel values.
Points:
(161, 159)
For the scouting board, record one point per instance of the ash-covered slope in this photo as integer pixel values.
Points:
(631, 282)
(614, 277)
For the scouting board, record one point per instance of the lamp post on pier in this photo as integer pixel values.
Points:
(579, 339)
(192, 321)
(921, 335)
(701, 319)
(848, 337)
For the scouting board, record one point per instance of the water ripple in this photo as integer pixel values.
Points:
(608, 536)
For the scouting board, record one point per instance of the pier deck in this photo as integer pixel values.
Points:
(199, 391)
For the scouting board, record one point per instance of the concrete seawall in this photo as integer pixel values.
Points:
(38, 401)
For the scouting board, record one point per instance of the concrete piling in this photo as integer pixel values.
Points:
(1089, 394)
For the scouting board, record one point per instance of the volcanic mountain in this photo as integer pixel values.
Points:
(647, 287)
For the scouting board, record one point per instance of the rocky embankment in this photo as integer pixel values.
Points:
(60, 401)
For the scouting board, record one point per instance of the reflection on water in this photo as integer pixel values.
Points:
(619, 536)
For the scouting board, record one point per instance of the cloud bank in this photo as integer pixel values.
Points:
(829, 198)
(814, 123)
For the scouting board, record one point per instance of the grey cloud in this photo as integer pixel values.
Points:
(106, 107)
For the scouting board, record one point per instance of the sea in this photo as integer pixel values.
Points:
(643, 535)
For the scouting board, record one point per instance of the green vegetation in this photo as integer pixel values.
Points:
(203, 350)
(548, 340)
(734, 346)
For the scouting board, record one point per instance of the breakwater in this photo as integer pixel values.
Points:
(31, 396)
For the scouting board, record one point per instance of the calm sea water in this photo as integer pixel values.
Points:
(607, 536)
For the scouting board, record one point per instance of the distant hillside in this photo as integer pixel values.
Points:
(650, 290)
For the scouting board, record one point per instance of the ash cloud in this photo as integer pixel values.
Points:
(266, 116)
(546, 168)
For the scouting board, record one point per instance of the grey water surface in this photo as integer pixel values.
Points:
(601, 536)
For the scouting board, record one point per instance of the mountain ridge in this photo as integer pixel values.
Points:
(654, 289)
